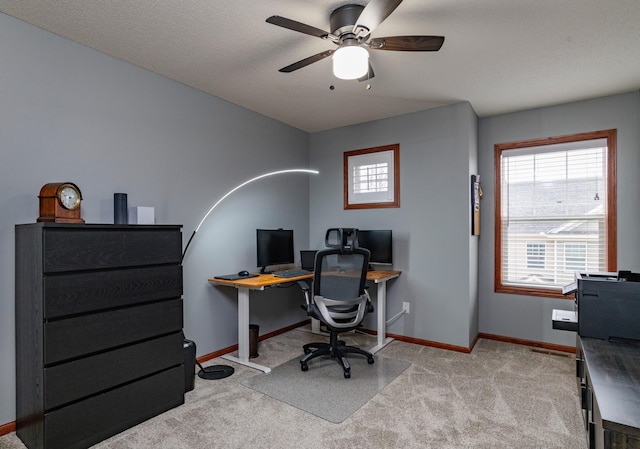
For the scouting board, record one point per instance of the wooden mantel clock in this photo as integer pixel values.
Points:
(60, 203)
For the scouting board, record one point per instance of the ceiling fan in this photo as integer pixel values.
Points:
(351, 27)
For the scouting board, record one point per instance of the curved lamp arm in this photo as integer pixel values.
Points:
(293, 170)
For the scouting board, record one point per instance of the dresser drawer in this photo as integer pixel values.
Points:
(83, 335)
(87, 422)
(68, 249)
(78, 293)
(84, 377)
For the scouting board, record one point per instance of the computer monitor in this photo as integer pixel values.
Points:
(379, 243)
(274, 247)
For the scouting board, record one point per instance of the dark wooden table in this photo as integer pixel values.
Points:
(614, 372)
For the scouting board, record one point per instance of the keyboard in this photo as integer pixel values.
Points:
(291, 273)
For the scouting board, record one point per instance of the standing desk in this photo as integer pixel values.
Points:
(262, 281)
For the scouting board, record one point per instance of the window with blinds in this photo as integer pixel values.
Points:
(555, 211)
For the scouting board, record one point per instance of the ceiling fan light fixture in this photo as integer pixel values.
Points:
(350, 62)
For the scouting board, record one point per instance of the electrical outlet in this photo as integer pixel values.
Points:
(405, 307)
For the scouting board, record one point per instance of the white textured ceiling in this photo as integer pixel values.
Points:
(500, 55)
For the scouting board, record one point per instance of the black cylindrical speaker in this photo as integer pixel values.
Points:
(120, 208)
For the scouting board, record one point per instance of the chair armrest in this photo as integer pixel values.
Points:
(303, 286)
(307, 298)
(369, 306)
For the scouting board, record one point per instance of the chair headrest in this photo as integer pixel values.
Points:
(343, 238)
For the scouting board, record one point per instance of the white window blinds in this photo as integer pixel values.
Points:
(553, 213)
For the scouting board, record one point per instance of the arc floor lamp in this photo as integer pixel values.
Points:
(221, 371)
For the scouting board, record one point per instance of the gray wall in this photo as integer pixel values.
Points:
(530, 317)
(433, 245)
(68, 113)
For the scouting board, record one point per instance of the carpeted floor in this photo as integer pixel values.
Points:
(499, 396)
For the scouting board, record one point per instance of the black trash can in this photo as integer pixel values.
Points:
(254, 331)
(189, 365)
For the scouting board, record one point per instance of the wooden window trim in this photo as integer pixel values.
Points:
(611, 236)
(396, 177)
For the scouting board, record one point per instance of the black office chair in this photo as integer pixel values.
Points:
(339, 300)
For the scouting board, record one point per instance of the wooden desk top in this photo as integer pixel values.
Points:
(378, 276)
(259, 282)
(267, 280)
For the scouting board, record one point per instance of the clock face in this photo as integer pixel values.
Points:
(69, 197)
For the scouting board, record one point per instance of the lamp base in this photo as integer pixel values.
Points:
(215, 372)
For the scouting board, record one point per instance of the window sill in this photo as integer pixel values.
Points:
(530, 291)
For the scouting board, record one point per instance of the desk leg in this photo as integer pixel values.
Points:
(315, 327)
(243, 333)
(382, 318)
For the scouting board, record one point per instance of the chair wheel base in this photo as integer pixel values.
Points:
(370, 360)
(347, 374)
(304, 367)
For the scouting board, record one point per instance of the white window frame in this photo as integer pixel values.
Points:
(536, 257)
(571, 262)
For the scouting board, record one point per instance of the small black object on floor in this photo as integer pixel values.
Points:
(215, 371)
(208, 373)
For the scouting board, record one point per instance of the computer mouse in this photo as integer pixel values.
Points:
(243, 273)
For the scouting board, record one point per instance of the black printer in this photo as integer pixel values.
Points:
(606, 306)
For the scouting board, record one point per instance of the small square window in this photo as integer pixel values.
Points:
(371, 178)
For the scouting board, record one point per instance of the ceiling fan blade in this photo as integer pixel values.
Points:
(367, 76)
(407, 43)
(373, 14)
(306, 61)
(297, 26)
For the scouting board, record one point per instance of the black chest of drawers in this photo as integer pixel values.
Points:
(99, 345)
